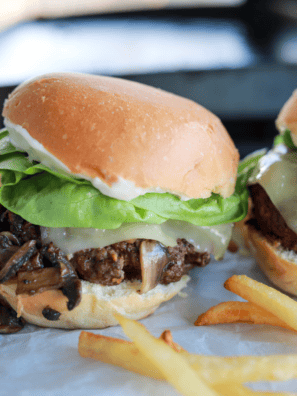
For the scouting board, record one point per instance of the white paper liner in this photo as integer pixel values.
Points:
(41, 362)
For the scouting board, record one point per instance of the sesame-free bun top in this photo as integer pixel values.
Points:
(121, 131)
(287, 118)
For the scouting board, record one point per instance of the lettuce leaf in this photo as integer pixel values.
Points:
(286, 139)
(45, 197)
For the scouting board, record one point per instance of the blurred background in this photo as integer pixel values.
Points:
(238, 58)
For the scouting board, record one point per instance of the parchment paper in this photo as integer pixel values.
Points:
(41, 362)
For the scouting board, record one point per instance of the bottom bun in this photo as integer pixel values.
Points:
(97, 306)
(278, 264)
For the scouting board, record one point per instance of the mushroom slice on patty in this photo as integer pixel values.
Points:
(153, 259)
(71, 284)
(17, 260)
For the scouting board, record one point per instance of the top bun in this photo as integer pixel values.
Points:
(125, 132)
(287, 118)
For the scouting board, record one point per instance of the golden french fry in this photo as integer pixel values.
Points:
(166, 336)
(233, 390)
(214, 370)
(173, 365)
(239, 312)
(121, 353)
(270, 299)
(240, 390)
(240, 369)
(117, 352)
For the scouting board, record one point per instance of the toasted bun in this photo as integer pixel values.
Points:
(279, 265)
(122, 131)
(97, 307)
(287, 118)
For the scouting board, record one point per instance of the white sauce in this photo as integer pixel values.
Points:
(125, 189)
(22, 140)
(277, 174)
(213, 239)
(122, 189)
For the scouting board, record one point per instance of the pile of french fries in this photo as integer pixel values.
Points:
(193, 374)
(265, 305)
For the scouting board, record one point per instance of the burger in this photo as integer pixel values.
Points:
(112, 191)
(270, 230)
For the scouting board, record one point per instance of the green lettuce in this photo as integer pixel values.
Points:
(45, 197)
(286, 139)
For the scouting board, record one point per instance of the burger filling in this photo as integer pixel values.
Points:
(35, 264)
(273, 192)
(107, 266)
(268, 220)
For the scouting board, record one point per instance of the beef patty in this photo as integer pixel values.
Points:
(112, 264)
(267, 219)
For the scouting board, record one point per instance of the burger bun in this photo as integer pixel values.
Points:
(97, 307)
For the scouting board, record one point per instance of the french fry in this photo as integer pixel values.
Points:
(121, 353)
(240, 390)
(214, 370)
(239, 312)
(240, 369)
(166, 336)
(270, 299)
(173, 365)
(117, 352)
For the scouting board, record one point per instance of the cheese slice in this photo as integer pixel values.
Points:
(213, 239)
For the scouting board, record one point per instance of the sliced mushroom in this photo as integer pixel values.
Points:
(6, 254)
(34, 263)
(9, 322)
(21, 228)
(71, 285)
(8, 239)
(15, 262)
(13, 221)
(73, 291)
(50, 313)
(9, 245)
(39, 280)
(153, 259)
